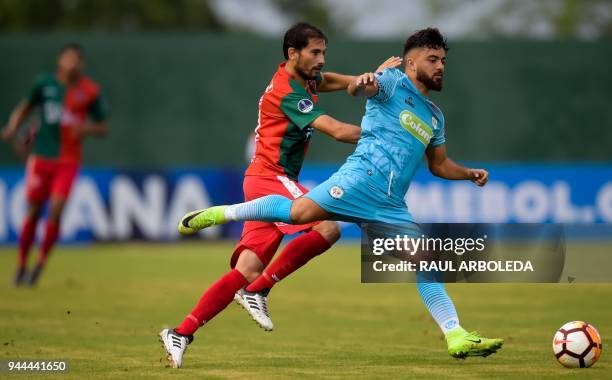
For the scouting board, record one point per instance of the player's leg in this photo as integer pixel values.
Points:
(62, 181)
(432, 291)
(255, 249)
(37, 188)
(317, 239)
(52, 228)
(461, 343)
(270, 208)
(296, 254)
(26, 238)
(212, 302)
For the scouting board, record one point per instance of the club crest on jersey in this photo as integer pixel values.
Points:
(416, 127)
(305, 105)
(336, 192)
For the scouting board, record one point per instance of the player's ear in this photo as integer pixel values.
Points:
(292, 53)
(410, 64)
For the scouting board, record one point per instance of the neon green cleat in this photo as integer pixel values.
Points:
(462, 344)
(194, 221)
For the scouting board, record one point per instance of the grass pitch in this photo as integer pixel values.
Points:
(101, 307)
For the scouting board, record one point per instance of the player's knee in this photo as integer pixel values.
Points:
(249, 265)
(250, 275)
(299, 212)
(329, 230)
(34, 211)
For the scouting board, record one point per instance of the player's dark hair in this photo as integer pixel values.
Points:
(428, 37)
(73, 46)
(298, 35)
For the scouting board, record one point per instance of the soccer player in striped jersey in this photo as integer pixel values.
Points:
(71, 108)
(289, 112)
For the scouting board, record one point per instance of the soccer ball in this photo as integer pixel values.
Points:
(577, 344)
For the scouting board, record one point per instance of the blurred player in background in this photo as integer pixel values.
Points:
(400, 126)
(288, 114)
(71, 108)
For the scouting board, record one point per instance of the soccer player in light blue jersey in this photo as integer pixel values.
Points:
(400, 126)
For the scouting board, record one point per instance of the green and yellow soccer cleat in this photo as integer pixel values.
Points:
(194, 221)
(462, 344)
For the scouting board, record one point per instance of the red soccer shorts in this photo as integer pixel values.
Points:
(46, 177)
(263, 238)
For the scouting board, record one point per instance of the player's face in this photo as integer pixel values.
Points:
(429, 65)
(70, 63)
(310, 60)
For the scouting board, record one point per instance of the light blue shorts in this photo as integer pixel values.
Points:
(353, 197)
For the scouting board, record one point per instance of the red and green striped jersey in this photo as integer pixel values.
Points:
(283, 131)
(61, 109)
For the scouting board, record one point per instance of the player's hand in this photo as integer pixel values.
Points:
(390, 63)
(478, 176)
(364, 79)
(7, 133)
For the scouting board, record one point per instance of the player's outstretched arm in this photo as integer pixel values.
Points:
(334, 82)
(442, 166)
(337, 82)
(340, 131)
(366, 84)
(17, 117)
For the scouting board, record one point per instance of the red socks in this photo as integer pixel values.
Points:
(215, 299)
(26, 238)
(51, 235)
(297, 253)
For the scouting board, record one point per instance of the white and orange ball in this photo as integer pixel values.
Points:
(577, 345)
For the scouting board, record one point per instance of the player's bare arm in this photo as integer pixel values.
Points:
(19, 114)
(336, 82)
(365, 84)
(336, 129)
(442, 166)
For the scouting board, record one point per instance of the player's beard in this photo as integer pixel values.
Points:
(305, 74)
(429, 82)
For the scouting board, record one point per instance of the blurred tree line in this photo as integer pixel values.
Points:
(541, 18)
(136, 15)
(107, 15)
(590, 19)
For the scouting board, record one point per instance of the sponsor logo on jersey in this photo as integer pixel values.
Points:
(416, 127)
(434, 122)
(305, 105)
(336, 192)
(291, 187)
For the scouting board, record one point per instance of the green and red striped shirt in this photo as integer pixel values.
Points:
(61, 109)
(283, 131)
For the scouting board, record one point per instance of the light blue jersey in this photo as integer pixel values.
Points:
(398, 126)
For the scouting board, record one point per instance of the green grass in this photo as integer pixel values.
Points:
(100, 308)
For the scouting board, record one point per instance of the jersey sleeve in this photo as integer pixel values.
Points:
(98, 109)
(300, 109)
(34, 95)
(439, 135)
(387, 81)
